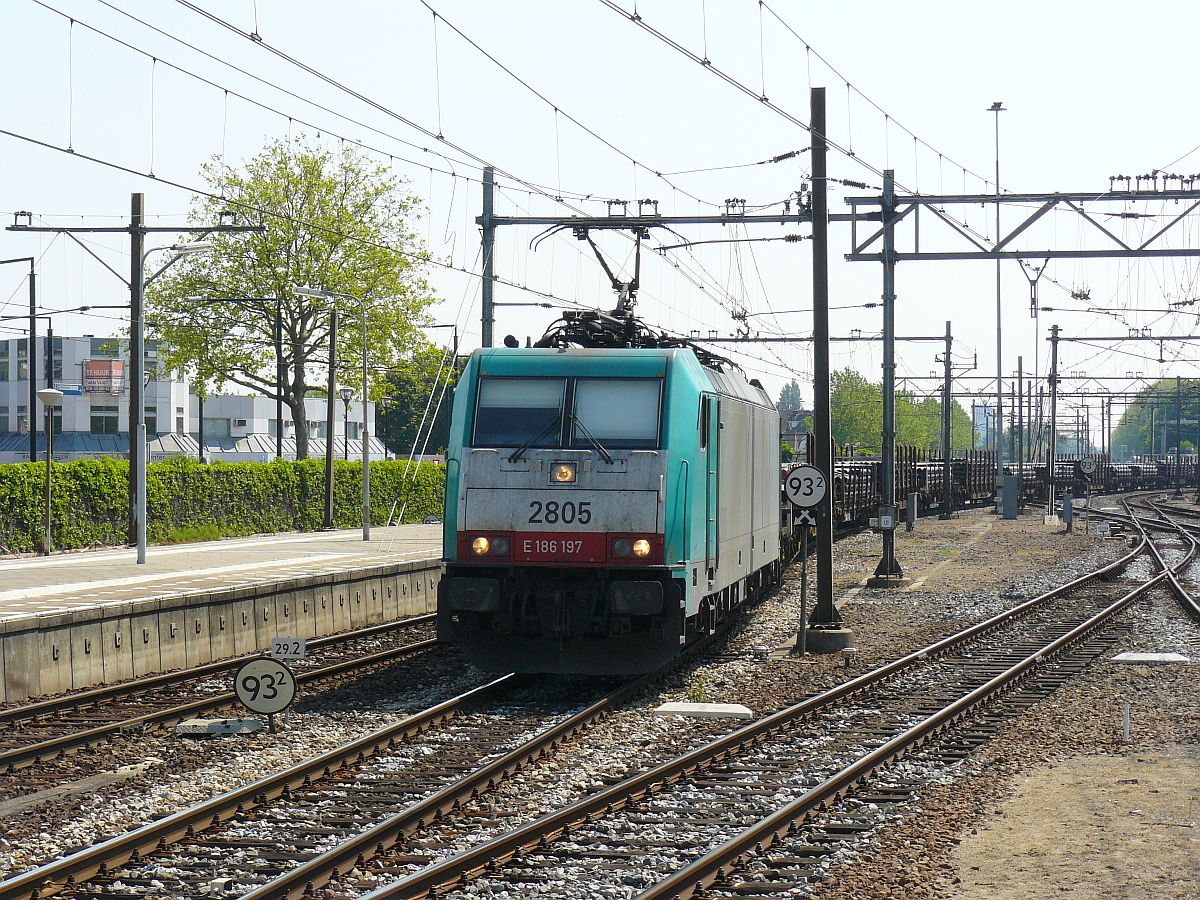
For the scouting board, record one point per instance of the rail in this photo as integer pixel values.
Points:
(708, 869)
(84, 864)
(19, 757)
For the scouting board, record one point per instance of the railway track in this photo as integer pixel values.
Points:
(284, 834)
(52, 728)
(797, 739)
(393, 795)
(689, 811)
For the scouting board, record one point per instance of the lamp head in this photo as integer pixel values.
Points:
(316, 293)
(50, 396)
(188, 247)
(346, 393)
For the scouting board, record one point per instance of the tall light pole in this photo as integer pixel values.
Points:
(50, 398)
(345, 393)
(998, 108)
(366, 432)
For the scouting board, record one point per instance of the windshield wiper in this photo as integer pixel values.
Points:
(520, 451)
(604, 454)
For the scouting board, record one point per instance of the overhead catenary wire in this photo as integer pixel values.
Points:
(269, 213)
(380, 107)
(361, 97)
(558, 110)
(543, 189)
(392, 156)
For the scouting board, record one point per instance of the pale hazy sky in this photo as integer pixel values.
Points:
(1091, 90)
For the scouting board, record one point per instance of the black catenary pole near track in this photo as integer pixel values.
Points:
(1178, 437)
(947, 399)
(888, 572)
(1020, 410)
(137, 290)
(1053, 419)
(826, 633)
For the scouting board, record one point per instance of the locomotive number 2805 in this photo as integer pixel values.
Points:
(552, 512)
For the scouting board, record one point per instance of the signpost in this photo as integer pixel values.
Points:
(806, 488)
(265, 686)
(1087, 466)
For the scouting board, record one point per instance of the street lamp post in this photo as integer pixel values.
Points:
(345, 393)
(50, 398)
(365, 434)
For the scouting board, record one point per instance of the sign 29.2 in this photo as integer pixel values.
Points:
(552, 512)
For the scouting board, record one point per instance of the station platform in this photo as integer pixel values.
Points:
(75, 620)
(33, 585)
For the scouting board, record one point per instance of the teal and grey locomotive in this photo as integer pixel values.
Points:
(603, 506)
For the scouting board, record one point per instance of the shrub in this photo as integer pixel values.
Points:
(187, 500)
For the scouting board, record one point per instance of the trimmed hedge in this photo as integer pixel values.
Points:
(185, 497)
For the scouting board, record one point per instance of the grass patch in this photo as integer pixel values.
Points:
(193, 534)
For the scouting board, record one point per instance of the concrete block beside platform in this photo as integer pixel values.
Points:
(265, 618)
(198, 636)
(217, 727)
(293, 621)
(172, 640)
(1150, 659)
(87, 654)
(705, 710)
(147, 654)
(117, 639)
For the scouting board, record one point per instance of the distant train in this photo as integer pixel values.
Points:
(612, 494)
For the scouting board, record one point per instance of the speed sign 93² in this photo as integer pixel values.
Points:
(805, 486)
(265, 686)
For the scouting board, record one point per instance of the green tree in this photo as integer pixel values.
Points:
(789, 396)
(1148, 423)
(335, 221)
(416, 389)
(856, 410)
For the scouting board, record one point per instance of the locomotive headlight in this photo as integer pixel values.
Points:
(480, 546)
(563, 473)
(499, 546)
(622, 548)
(641, 548)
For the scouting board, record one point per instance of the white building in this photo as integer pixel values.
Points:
(242, 428)
(93, 420)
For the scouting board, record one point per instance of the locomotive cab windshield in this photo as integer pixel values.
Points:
(601, 414)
